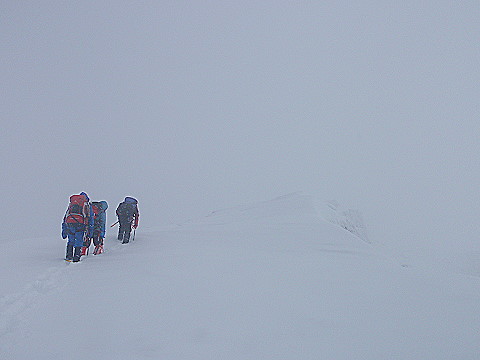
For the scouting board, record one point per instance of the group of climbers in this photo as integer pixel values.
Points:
(85, 221)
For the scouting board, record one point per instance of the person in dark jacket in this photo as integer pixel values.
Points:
(128, 216)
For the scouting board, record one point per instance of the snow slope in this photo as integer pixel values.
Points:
(271, 280)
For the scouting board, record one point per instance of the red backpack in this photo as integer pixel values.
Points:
(77, 210)
(96, 208)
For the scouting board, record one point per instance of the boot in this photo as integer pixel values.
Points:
(126, 237)
(84, 251)
(77, 254)
(98, 250)
(69, 255)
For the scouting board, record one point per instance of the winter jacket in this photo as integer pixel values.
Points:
(102, 219)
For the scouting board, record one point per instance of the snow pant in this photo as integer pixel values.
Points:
(124, 230)
(75, 241)
(97, 238)
(97, 241)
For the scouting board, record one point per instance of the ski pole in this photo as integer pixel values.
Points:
(114, 224)
(134, 230)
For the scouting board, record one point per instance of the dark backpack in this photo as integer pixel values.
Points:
(126, 210)
(77, 210)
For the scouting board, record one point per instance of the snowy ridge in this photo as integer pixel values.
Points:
(279, 209)
(269, 280)
(331, 211)
(349, 219)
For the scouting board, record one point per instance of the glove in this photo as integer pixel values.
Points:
(64, 231)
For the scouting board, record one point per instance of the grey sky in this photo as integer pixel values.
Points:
(192, 106)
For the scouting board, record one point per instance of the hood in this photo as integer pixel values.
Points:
(85, 194)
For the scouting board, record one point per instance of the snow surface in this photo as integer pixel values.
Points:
(270, 280)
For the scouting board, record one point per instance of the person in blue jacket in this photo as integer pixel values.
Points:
(99, 228)
(77, 225)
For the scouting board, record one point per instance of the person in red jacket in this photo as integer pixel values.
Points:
(128, 216)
